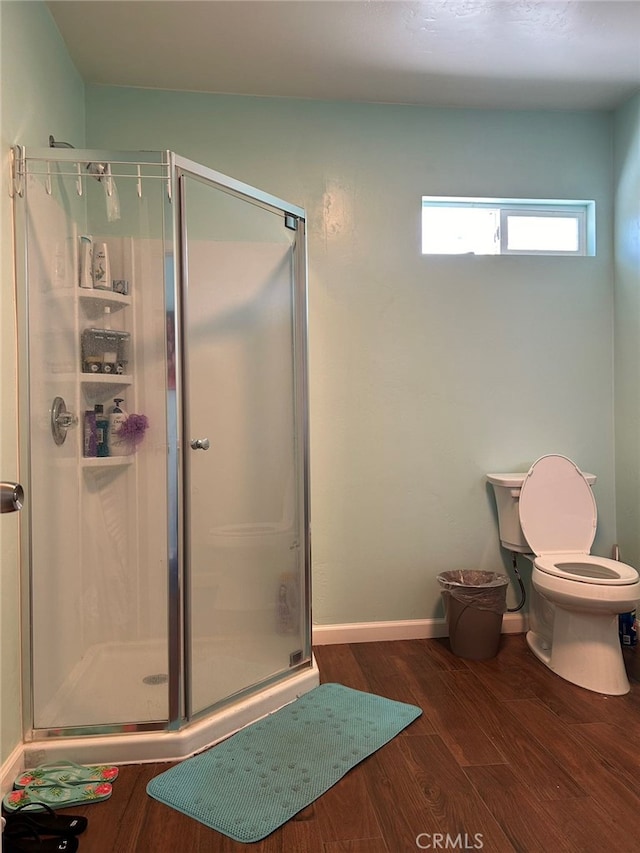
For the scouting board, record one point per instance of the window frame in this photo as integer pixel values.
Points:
(544, 212)
(582, 210)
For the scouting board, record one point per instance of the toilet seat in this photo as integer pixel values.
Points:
(558, 515)
(583, 568)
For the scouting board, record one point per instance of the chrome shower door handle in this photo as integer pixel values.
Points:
(11, 497)
(200, 444)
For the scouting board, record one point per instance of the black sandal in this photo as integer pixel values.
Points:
(46, 822)
(23, 838)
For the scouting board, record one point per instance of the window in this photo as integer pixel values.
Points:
(477, 226)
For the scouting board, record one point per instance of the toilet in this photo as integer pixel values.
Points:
(549, 515)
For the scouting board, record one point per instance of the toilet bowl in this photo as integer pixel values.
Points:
(550, 515)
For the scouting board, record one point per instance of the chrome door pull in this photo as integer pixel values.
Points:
(200, 444)
(11, 497)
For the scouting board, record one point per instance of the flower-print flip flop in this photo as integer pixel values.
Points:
(66, 772)
(61, 795)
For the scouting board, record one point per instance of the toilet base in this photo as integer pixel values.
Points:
(585, 650)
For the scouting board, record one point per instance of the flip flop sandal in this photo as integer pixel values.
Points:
(66, 772)
(31, 842)
(61, 795)
(46, 822)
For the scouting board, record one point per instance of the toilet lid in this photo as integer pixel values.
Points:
(558, 512)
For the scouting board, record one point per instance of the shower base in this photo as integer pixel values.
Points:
(125, 682)
(124, 685)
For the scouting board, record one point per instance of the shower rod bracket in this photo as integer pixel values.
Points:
(16, 171)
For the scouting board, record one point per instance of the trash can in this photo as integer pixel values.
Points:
(474, 603)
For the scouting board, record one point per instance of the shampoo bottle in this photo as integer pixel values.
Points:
(102, 429)
(85, 266)
(117, 447)
(101, 267)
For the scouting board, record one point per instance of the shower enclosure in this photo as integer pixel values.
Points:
(166, 584)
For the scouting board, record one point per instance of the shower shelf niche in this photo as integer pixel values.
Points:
(99, 389)
(104, 309)
(95, 301)
(106, 461)
(100, 379)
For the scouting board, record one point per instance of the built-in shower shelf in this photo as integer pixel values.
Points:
(101, 379)
(106, 461)
(104, 298)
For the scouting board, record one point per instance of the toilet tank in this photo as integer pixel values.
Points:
(506, 488)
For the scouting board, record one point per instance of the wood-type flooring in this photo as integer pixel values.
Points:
(505, 757)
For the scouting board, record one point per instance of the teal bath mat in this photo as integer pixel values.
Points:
(252, 783)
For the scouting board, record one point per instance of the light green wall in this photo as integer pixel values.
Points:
(627, 326)
(41, 94)
(426, 372)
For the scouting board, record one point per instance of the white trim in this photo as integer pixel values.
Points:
(408, 629)
(11, 767)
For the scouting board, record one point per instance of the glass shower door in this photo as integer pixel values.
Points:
(243, 438)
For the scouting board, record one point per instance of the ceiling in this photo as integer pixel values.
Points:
(504, 54)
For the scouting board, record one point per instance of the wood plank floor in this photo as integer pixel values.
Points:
(505, 757)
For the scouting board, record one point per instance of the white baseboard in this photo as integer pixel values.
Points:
(11, 768)
(407, 629)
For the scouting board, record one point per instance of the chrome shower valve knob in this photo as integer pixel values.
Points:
(61, 420)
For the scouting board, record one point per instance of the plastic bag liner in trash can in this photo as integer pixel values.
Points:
(474, 602)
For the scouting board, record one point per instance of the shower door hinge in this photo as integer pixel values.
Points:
(291, 221)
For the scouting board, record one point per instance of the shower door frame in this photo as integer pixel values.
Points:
(179, 557)
(178, 717)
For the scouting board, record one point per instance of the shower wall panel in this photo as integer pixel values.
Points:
(98, 539)
(55, 502)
